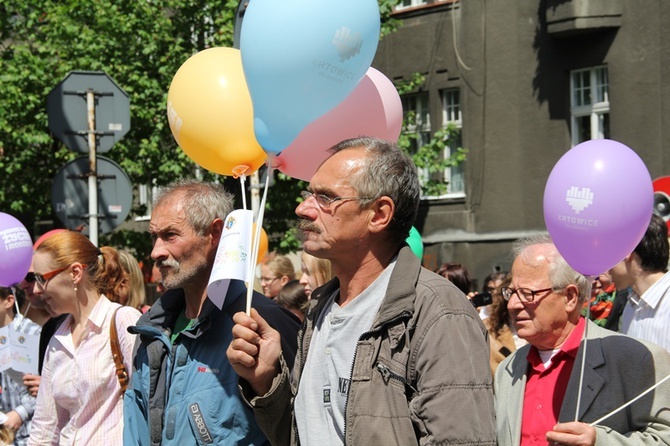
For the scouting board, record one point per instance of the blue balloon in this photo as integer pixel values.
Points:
(301, 58)
(415, 243)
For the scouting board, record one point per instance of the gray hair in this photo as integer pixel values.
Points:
(202, 202)
(389, 172)
(560, 273)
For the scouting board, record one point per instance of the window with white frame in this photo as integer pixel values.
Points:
(451, 115)
(402, 4)
(417, 114)
(145, 194)
(590, 106)
(417, 125)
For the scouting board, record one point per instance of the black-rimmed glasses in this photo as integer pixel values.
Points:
(525, 295)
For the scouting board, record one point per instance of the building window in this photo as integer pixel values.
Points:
(590, 106)
(417, 119)
(145, 194)
(451, 116)
(402, 4)
(434, 153)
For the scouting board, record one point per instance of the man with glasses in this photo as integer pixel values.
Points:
(560, 388)
(389, 353)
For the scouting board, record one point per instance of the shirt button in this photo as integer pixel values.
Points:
(539, 406)
(328, 351)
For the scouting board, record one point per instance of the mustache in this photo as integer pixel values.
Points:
(306, 225)
(170, 263)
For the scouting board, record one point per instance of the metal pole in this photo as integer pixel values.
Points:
(93, 170)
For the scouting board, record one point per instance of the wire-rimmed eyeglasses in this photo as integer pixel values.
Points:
(325, 201)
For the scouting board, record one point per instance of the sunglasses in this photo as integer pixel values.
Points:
(42, 279)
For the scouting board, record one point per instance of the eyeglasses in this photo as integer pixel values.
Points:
(268, 279)
(525, 295)
(325, 201)
(42, 279)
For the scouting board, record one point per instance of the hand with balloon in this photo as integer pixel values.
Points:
(598, 202)
(16, 250)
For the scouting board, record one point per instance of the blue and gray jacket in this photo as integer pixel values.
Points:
(187, 392)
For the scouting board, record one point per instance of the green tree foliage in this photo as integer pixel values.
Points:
(140, 45)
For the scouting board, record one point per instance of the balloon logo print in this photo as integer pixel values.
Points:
(348, 44)
(597, 204)
(579, 199)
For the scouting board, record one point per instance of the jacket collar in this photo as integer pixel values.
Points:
(164, 312)
(399, 296)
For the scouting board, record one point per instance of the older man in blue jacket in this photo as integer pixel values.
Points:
(183, 389)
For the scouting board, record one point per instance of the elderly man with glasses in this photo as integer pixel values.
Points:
(389, 353)
(565, 387)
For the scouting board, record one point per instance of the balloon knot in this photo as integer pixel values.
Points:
(240, 170)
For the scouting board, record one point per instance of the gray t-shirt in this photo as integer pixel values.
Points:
(324, 384)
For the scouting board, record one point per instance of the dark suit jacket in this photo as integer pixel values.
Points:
(618, 368)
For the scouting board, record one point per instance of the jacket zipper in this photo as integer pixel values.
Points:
(366, 334)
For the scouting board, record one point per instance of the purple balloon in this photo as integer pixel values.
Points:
(16, 250)
(598, 203)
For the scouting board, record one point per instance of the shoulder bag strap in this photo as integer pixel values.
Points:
(121, 372)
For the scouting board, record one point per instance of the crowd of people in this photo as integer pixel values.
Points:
(354, 342)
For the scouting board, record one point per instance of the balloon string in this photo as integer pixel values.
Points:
(16, 301)
(623, 406)
(581, 376)
(244, 194)
(586, 325)
(257, 236)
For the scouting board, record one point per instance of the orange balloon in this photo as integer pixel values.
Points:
(210, 113)
(262, 244)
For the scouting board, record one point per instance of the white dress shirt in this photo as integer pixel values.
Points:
(647, 317)
(80, 400)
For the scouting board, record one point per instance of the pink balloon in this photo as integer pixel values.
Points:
(598, 203)
(372, 109)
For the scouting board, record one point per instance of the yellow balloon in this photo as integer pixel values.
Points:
(210, 113)
(262, 244)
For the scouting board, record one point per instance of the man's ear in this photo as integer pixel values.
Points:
(216, 229)
(571, 297)
(382, 213)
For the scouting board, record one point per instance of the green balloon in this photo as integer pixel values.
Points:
(415, 243)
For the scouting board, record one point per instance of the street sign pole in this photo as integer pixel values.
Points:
(89, 112)
(93, 174)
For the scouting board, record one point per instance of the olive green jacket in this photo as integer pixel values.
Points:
(420, 375)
